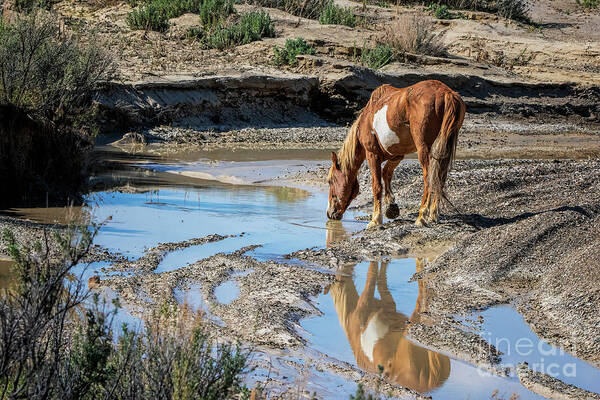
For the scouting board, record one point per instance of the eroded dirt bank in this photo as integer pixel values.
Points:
(276, 99)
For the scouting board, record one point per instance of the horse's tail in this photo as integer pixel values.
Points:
(443, 149)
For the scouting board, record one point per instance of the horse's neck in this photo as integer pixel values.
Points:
(359, 158)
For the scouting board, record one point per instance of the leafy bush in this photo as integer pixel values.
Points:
(155, 14)
(286, 55)
(333, 14)
(213, 12)
(377, 57)
(250, 27)
(148, 16)
(412, 34)
(440, 11)
(590, 4)
(46, 73)
(30, 5)
(310, 9)
(57, 345)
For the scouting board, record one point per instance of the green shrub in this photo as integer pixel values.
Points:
(310, 9)
(47, 74)
(251, 27)
(333, 14)
(377, 57)
(213, 12)
(286, 55)
(590, 4)
(155, 14)
(149, 16)
(30, 5)
(440, 11)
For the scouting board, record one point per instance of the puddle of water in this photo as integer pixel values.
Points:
(506, 329)
(227, 292)
(364, 321)
(280, 219)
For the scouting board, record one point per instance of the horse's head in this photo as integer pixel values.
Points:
(343, 188)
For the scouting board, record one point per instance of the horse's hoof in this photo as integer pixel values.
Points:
(392, 211)
(420, 222)
(373, 224)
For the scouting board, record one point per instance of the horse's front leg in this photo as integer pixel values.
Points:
(375, 166)
(391, 208)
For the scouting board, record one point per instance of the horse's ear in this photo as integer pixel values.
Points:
(334, 159)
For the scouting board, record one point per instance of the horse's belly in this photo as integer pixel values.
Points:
(397, 141)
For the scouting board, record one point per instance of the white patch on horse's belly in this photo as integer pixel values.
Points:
(387, 137)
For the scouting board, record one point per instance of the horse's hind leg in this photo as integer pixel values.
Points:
(391, 208)
(375, 166)
(423, 155)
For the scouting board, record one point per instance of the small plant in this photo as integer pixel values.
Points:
(28, 6)
(213, 12)
(377, 57)
(440, 11)
(154, 15)
(333, 14)
(589, 4)
(412, 34)
(300, 8)
(361, 394)
(251, 27)
(148, 16)
(286, 55)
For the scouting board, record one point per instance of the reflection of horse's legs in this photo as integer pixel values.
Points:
(423, 154)
(382, 288)
(421, 305)
(391, 210)
(368, 292)
(375, 166)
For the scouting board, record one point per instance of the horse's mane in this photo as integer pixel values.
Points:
(346, 154)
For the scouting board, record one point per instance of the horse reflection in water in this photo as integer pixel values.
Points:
(376, 331)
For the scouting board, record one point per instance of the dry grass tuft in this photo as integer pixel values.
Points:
(413, 34)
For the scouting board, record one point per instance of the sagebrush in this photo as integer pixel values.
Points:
(248, 28)
(377, 57)
(286, 55)
(333, 14)
(301, 8)
(155, 14)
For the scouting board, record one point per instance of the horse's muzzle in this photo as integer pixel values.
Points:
(334, 215)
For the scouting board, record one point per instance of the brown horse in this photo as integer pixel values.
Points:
(424, 118)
